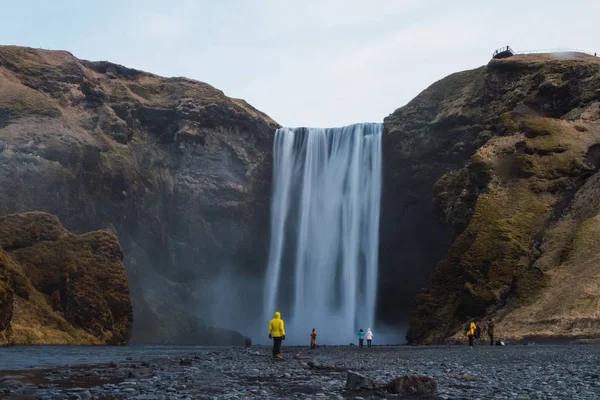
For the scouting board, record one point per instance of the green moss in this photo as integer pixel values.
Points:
(536, 126)
(74, 286)
(480, 170)
(522, 166)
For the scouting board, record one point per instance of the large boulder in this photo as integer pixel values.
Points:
(356, 381)
(60, 288)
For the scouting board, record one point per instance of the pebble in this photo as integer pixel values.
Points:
(536, 372)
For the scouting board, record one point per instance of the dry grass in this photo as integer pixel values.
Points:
(491, 261)
(17, 101)
(68, 289)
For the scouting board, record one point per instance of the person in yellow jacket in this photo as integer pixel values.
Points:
(277, 333)
(471, 332)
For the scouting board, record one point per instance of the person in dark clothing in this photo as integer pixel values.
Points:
(490, 330)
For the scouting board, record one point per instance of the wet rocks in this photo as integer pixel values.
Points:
(320, 362)
(413, 386)
(356, 381)
(451, 372)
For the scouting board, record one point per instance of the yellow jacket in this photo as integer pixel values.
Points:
(276, 326)
(471, 331)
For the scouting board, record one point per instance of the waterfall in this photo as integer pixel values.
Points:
(322, 270)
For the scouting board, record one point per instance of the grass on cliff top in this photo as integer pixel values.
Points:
(30, 61)
(551, 61)
(26, 229)
(18, 100)
(452, 92)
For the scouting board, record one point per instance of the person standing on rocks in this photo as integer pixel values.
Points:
(369, 337)
(490, 330)
(470, 332)
(277, 333)
(361, 337)
(313, 339)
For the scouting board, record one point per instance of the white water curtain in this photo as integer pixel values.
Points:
(322, 270)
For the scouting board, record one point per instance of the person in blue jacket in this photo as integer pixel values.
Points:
(361, 338)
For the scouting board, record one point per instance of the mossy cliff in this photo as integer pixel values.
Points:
(511, 150)
(178, 171)
(60, 288)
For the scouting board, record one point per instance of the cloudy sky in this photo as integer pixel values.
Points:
(304, 62)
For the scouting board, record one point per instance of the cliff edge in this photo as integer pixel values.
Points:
(509, 153)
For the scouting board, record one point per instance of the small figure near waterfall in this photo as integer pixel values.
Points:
(277, 333)
(313, 339)
(470, 331)
(490, 330)
(369, 337)
(361, 337)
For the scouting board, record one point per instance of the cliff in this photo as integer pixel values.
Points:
(508, 154)
(178, 171)
(60, 288)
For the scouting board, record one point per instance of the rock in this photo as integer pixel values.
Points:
(92, 307)
(320, 362)
(186, 361)
(11, 384)
(413, 386)
(129, 151)
(356, 381)
(450, 138)
(85, 395)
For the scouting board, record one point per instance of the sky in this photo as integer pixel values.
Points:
(318, 63)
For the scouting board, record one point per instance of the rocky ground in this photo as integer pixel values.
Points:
(519, 371)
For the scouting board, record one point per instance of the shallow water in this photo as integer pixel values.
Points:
(36, 357)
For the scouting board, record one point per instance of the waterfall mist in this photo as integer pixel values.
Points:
(322, 270)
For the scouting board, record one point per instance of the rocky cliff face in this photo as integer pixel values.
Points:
(509, 153)
(177, 170)
(60, 288)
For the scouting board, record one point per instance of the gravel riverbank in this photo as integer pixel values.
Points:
(507, 372)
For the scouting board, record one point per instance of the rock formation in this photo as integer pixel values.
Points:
(490, 181)
(177, 170)
(60, 288)
(509, 153)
